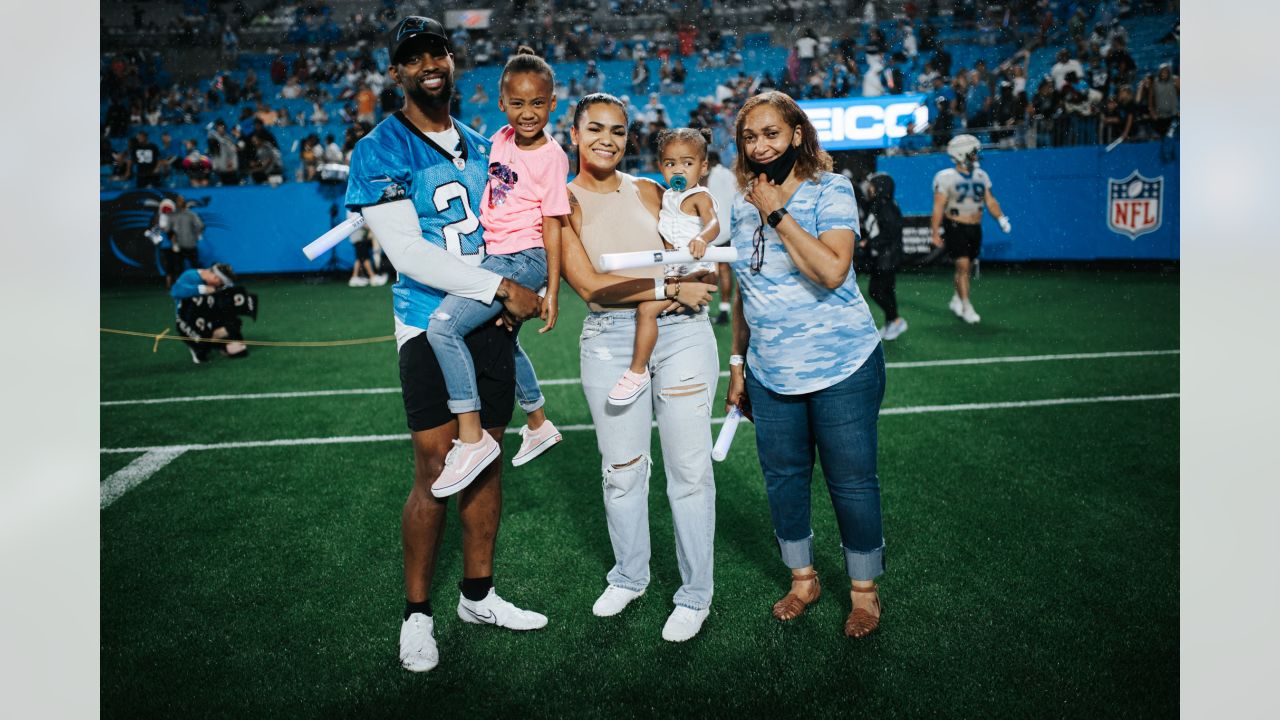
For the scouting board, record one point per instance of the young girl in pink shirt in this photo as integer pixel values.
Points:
(520, 213)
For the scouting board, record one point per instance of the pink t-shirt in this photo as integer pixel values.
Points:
(524, 187)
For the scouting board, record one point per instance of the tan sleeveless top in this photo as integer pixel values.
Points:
(616, 222)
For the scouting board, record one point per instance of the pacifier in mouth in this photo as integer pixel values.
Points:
(678, 183)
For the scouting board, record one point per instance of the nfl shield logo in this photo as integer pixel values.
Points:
(1135, 204)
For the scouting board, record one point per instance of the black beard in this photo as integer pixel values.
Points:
(428, 102)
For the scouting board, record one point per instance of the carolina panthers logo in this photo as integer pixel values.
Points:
(411, 25)
(126, 249)
(502, 180)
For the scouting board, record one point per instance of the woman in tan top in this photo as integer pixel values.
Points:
(615, 212)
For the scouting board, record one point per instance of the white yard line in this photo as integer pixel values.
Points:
(131, 475)
(293, 442)
(576, 381)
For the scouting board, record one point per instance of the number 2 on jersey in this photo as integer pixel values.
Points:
(453, 232)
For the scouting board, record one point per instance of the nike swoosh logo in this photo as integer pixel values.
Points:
(381, 179)
(488, 616)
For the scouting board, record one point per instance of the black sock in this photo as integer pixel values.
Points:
(423, 607)
(475, 589)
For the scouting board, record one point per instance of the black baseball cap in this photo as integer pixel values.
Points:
(415, 27)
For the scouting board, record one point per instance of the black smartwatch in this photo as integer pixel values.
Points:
(775, 217)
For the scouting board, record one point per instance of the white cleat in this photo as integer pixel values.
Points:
(493, 610)
(418, 652)
(613, 600)
(970, 316)
(683, 624)
(894, 329)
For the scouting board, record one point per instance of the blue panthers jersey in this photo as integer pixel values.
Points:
(186, 286)
(397, 161)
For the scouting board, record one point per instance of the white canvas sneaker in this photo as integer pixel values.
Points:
(894, 329)
(464, 463)
(613, 600)
(418, 652)
(493, 610)
(535, 442)
(684, 623)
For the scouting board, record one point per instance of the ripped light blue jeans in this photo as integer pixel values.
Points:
(685, 368)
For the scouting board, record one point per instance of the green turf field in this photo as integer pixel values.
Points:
(1032, 546)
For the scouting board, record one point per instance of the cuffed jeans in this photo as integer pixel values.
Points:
(458, 316)
(840, 423)
(685, 368)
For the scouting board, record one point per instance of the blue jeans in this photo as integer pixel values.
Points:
(458, 316)
(685, 369)
(840, 423)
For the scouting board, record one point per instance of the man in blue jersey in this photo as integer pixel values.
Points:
(418, 178)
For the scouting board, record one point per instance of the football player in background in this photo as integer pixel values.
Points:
(959, 196)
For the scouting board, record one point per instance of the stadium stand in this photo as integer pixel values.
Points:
(728, 51)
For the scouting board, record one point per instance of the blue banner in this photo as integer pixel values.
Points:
(256, 229)
(1075, 203)
(865, 123)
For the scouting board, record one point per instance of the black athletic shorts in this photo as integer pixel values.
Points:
(426, 399)
(961, 240)
(176, 262)
(364, 250)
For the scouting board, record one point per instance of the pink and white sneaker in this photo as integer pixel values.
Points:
(629, 387)
(535, 442)
(463, 465)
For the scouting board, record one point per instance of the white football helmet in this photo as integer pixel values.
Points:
(964, 150)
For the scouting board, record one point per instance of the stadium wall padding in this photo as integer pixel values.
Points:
(1058, 200)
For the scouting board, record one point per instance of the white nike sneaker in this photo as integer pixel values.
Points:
(418, 652)
(613, 600)
(684, 623)
(493, 610)
(956, 306)
(970, 316)
(894, 329)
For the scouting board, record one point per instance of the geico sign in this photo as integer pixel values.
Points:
(865, 123)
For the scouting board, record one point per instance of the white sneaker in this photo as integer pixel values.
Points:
(969, 315)
(535, 442)
(463, 464)
(629, 387)
(358, 281)
(894, 329)
(684, 623)
(956, 306)
(493, 610)
(379, 280)
(613, 600)
(418, 652)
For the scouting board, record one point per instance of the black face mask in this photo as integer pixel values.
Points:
(778, 168)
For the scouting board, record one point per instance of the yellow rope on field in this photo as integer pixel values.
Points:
(262, 343)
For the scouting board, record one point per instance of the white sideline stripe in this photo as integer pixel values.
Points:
(910, 410)
(576, 381)
(131, 475)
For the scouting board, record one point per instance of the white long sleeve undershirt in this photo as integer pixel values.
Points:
(395, 224)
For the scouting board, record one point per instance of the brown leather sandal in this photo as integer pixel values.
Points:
(793, 606)
(860, 622)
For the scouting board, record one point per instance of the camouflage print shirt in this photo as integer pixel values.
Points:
(804, 337)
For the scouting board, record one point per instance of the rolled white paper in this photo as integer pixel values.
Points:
(625, 261)
(725, 439)
(327, 241)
